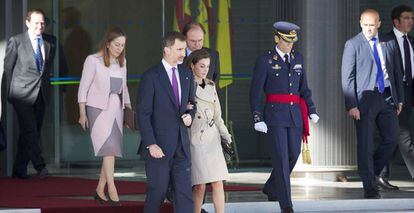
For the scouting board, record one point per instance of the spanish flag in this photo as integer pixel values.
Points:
(182, 15)
(204, 18)
(224, 41)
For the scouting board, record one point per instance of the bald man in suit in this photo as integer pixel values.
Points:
(373, 89)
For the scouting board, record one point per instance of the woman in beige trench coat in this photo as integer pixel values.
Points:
(208, 163)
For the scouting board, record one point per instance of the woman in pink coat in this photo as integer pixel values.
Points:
(102, 96)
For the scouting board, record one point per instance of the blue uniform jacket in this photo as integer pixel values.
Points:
(272, 76)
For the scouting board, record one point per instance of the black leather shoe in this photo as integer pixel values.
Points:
(287, 210)
(269, 196)
(20, 176)
(384, 184)
(204, 211)
(374, 194)
(43, 173)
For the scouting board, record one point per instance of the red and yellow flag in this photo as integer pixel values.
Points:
(223, 44)
(204, 18)
(182, 14)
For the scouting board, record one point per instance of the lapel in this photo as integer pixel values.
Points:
(292, 60)
(204, 94)
(165, 82)
(29, 49)
(278, 61)
(398, 46)
(46, 45)
(411, 40)
(366, 45)
(185, 86)
(383, 46)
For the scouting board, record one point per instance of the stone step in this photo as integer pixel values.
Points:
(363, 205)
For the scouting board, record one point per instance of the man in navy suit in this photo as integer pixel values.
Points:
(166, 109)
(280, 75)
(402, 18)
(373, 89)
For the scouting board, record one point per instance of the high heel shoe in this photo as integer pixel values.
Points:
(113, 203)
(97, 198)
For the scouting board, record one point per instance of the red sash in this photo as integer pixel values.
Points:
(293, 99)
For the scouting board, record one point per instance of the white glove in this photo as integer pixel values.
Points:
(314, 118)
(260, 127)
(228, 138)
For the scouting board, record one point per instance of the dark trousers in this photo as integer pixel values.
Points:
(159, 173)
(285, 145)
(404, 121)
(375, 109)
(30, 118)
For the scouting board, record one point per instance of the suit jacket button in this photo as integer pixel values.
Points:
(291, 103)
(290, 84)
(202, 131)
(199, 117)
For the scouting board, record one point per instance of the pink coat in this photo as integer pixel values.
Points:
(94, 87)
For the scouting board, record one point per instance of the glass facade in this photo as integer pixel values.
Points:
(80, 25)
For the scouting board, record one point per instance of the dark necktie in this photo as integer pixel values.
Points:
(38, 54)
(380, 74)
(407, 59)
(287, 61)
(175, 87)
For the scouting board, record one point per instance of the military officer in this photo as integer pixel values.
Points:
(280, 75)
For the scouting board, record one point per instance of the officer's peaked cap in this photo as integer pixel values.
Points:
(286, 30)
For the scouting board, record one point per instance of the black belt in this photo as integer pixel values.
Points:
(386, 89)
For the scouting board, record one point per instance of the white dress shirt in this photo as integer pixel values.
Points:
(383, 64)
(33, 40)
(282, 54)
(399, 35)
(168, 68)
(187, 51)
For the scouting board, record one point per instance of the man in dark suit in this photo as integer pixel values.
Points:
(373, 89)
(166, 107)
(194, 33)
(27, 63)
(280, 75)
(402, 18)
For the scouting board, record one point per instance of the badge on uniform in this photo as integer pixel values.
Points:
(276, 67)
(297, 67)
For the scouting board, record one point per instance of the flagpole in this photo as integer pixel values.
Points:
(163, 18)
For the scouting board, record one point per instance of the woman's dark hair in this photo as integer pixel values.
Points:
(196, 56)
(397, 11)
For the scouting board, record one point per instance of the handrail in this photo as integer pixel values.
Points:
(135, 78)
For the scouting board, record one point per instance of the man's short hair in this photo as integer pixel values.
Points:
(170, 37)
(192, 25)
(38, 11)
(397, 11)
